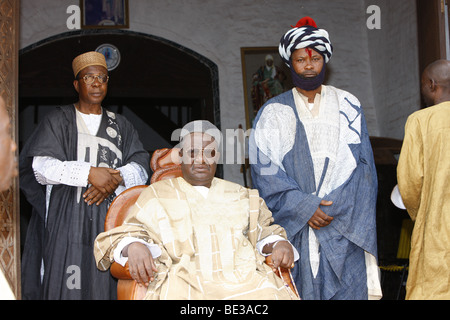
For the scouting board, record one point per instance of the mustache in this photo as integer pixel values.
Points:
(308, 75)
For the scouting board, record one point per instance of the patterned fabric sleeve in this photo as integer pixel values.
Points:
(107, 241)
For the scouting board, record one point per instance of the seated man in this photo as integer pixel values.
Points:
(189, 237)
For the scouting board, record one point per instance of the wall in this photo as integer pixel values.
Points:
(363, 58)
(394, 66)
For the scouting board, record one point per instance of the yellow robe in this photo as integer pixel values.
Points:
(423, 175)
(206, 251)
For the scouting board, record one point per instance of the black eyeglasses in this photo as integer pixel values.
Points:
(101, 78)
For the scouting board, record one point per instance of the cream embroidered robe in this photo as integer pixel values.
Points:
(206, 253)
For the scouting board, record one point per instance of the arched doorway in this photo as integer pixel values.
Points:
(158, 85)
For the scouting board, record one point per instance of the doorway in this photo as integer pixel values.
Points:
(158, 85)
(433, 32)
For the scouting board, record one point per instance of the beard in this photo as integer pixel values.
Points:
(308, 81)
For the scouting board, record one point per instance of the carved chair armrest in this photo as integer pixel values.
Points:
(127, 288)
(120, 272)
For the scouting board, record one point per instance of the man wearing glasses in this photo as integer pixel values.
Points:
(189, 237)
(77, 160)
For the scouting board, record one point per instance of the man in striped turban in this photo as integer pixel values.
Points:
(312, 161)
(306, 36)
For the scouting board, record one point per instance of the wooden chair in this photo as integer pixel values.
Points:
(165, 165)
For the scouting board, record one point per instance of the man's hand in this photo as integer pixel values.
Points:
(103, 179)
(140, 263)
(320, 219)
(116, 175)
(93, 195)
(282, 254)
(104, 182)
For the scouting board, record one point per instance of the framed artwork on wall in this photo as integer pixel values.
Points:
(104, 14)
(264, 76)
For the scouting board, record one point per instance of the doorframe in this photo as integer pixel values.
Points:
(10, 217)
(432, 33)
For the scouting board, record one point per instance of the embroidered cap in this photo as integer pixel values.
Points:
(87, 59)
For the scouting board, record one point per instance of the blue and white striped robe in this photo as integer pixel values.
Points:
(283, 171)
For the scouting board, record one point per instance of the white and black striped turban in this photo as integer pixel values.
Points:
(305, 34)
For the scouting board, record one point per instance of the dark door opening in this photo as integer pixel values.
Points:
(161, 83)
(158, 85)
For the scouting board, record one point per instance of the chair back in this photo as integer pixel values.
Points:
(166, 164)
(121, 206)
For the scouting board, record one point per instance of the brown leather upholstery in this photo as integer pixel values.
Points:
(120, 207)
(127, 288)
(165, 164)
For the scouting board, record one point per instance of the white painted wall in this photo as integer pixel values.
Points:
(394, 57)
(380, 67)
